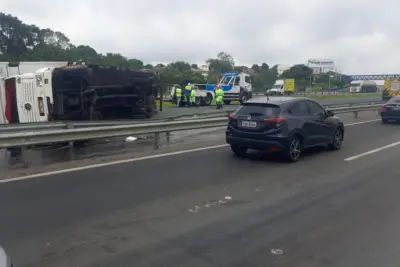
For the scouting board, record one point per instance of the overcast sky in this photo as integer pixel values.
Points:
(361, 36)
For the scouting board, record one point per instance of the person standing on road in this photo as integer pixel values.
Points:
(178, 92)
(219, 97)
(188, 91)
(193, 98)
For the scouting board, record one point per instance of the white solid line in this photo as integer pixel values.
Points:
(43, 174)
(372, 151)
(108, 164)
(361, 122)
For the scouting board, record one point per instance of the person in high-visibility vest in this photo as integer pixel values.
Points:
(219, 97)
(178, 92)
(188, 90)
(193, 98)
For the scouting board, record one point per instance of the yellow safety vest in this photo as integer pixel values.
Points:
(178, 92)
(188, 87)
(193, 96)
(219, 93)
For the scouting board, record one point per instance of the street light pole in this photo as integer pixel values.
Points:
(329, 82)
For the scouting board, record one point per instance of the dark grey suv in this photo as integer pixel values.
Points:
(286, 125)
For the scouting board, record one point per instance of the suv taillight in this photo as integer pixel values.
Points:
(232, 120)
(383, 109)
(278, 122)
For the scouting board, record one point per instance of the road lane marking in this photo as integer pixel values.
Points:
(376, 150)
(361, 122)
(105, 164)
(108, 164)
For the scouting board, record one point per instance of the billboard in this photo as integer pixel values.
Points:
(327, 62)
(321, 65)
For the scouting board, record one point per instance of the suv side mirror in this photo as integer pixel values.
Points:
(4, 259)
(330, 113)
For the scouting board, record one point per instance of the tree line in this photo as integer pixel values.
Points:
(23, 42)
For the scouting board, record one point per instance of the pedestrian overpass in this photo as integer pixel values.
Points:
(373, 77)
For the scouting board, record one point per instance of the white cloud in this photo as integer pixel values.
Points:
(359, 35)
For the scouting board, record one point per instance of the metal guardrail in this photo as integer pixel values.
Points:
(308, 93)
(45, 126)
(24, 139)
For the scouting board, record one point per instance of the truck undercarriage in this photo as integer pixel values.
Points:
(91, 92)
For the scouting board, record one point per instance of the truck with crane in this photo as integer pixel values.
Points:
(237, 87)
(391, 88)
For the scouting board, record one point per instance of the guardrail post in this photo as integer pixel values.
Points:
(156, 140)
(355, 114)
(24, 156)
(71, 143)
(168, 137)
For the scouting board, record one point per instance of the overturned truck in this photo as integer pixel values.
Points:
(92, 92)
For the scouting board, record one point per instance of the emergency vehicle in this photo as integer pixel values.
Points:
(391, 88)
(236, 86)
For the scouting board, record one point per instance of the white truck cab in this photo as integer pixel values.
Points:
(236, 86)
(25, 101)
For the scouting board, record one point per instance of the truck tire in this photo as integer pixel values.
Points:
(208, 99)
(151, 106)
(243, 97)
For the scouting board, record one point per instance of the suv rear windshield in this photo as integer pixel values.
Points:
(394, 100)
(259, 110)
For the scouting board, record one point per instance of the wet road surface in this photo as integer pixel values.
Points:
(209, 208)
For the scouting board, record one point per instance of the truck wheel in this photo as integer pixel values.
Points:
(208, 100)
(151, 106)
(227, 102)
(243, 98)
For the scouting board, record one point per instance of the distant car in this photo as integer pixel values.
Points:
(283, 124)
(391, 110)
(385, 95)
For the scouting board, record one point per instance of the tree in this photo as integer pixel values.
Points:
(16, 37)
(256, 68)
(135, 64)
(194, 66)
(56, 39)
(225, 57)
(265, 66)
(180, 66)
(223, 63)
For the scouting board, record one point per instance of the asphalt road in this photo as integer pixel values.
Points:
(209, 208)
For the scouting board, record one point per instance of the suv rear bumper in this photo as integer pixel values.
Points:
(273, 144)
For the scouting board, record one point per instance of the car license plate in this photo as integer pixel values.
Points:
(249, 124)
